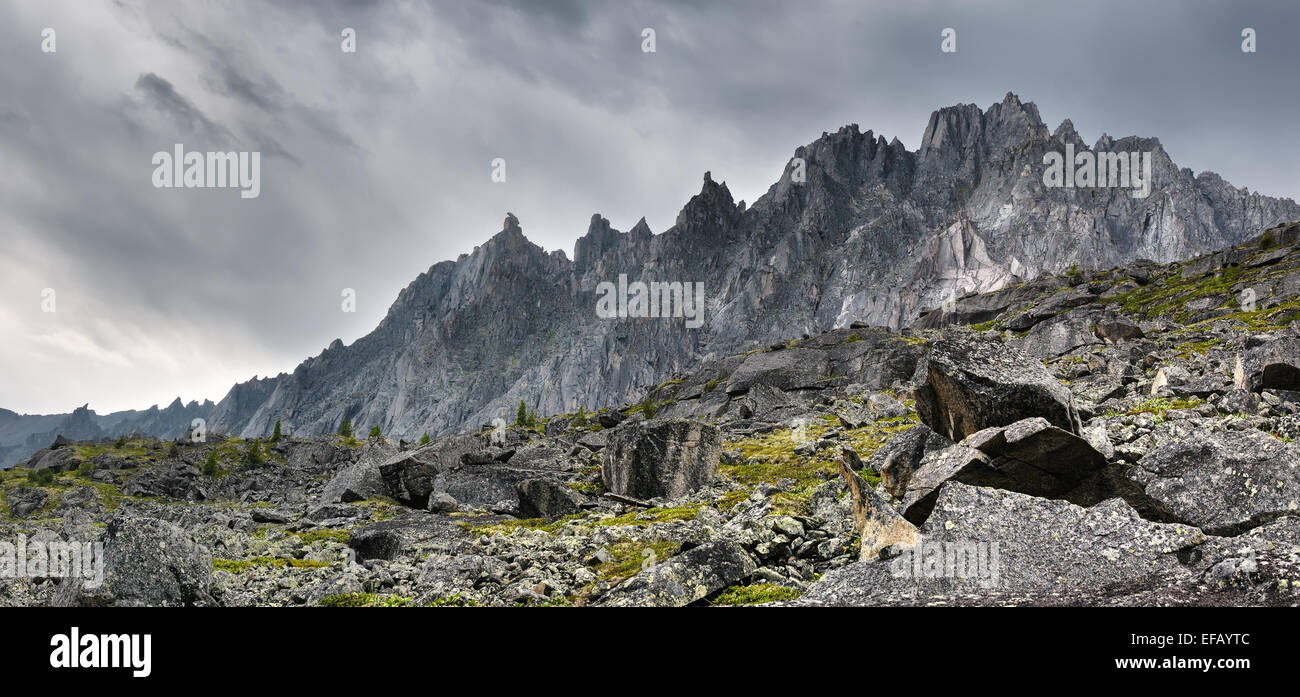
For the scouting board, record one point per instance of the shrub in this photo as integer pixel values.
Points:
(121, 442)
(424, 439)
(210, 466)
(648, 408)
(374, 432)
(275, 435)
(43, 477)
(253, 456)
(173, 450)
(1267, 241)
(346, 429)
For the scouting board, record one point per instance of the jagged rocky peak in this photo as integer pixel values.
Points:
(710, 209)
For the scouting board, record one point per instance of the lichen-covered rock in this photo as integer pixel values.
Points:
(356, 481)
(971, 384)
(1042, 546)
(1223, 483)
(1274, 363)
(24, 500)
(786, 369)
(661, 458)
(147, 562)
(685, 578)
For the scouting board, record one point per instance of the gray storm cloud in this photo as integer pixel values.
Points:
(376, 164)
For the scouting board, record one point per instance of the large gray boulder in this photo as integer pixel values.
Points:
(1274, 364)
(24, 500)
(356, 481)
(1025, 546)
(971, 384)
(668, 458)
(547, 498)
(1029, 456)
(685, 578)
(785, 369)
(147, 562)
(1223, 483)
(408, 478)
(179, 480)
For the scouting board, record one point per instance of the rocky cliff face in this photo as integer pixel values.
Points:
(865, 231)
(874, 233)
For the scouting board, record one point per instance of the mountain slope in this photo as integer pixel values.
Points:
(875, 233)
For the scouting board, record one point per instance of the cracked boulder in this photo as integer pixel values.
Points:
(547, 498)
(1274, 364)
(901, 455)
(971, 384)
(408, 479)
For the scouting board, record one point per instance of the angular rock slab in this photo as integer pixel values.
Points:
(668, 458)
(1029, 456)
(1043, 547)
(971, 384)
(878, 525)
(1224, 483)
(901, 455)
(686, 578)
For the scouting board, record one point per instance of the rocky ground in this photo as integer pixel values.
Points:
(1122, 437)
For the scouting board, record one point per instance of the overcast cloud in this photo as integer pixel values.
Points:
(376, 164)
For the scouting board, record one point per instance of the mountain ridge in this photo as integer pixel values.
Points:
(875, 234)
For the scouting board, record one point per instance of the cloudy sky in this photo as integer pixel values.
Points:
(377, 164)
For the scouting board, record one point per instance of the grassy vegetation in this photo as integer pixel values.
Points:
(1185, 350)
(1159, 406)
(325, 535)
(771, 457)
(236, 566)
(136, 451)
(641, 518)
(629, 558)
(365, 600)
(755, 594)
